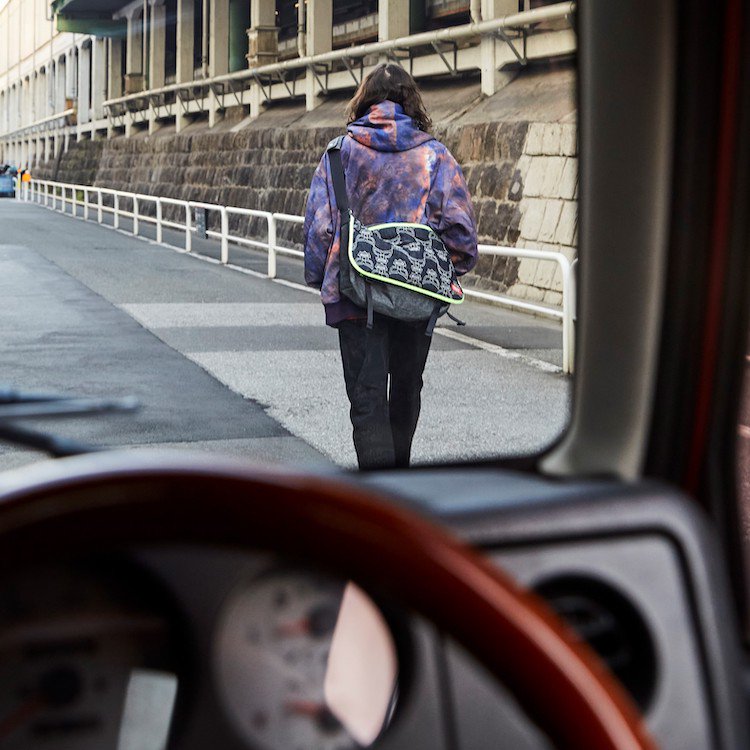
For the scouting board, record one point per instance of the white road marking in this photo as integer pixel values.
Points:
(304, 391)
(295, 285)
(222, 314)
(500, 351)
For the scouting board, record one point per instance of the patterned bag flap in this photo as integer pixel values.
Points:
(407, 255)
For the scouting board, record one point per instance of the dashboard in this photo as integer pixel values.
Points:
(199, 645)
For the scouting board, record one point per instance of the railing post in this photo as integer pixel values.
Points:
(567, 319)
(86, 203)
(158, 220)
(135, 215)
(573, 293)
(271, 246)
(99, 206)
(117, 210)
(224, 235)
(74, 201)
(188, 228)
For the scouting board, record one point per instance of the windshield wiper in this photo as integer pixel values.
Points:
(18, 405)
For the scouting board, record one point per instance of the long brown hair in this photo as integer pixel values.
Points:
(392, 82)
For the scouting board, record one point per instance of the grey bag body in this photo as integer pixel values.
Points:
(398, 269)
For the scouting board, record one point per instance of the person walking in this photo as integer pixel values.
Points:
(395, 171)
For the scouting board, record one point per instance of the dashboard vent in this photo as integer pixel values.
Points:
(611, 625)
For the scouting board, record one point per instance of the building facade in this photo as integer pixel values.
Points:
(90, 69)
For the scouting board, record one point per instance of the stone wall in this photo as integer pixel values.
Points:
(548, 187)
(489, 154)
(79, 164)
(522, 177)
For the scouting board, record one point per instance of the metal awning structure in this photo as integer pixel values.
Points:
(90, 16)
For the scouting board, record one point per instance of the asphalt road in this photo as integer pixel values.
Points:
(234, 363)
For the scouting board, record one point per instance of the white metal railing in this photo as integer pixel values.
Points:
(537, 33)
(49, 193)
(566, 314)
(517, 37)
(495, 27)
(46, 123)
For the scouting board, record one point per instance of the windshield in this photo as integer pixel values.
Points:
(183, 228)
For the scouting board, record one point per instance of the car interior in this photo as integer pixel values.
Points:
(591, 596)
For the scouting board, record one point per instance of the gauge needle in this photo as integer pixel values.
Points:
(20, 715)
(305, 708)
(316, 711)
(318, 622)
(291, 629)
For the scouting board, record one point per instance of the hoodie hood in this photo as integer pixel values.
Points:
(386, 127)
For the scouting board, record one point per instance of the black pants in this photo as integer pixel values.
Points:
(384, 420)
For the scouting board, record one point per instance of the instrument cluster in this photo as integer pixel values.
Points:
(305, 662)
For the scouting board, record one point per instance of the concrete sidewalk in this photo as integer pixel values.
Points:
(532, 337)
(235, 363)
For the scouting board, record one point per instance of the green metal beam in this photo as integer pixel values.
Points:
(59, 5)
(239, 20)
(95, 26)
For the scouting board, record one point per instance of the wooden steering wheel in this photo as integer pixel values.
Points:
(92, 502)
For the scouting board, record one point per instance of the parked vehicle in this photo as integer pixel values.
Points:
(7, 181)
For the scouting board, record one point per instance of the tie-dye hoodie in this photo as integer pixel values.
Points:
(394, 172)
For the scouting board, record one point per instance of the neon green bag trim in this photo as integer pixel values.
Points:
(411, 287)
(403, 224)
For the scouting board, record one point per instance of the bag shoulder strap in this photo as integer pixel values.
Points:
(337, 174)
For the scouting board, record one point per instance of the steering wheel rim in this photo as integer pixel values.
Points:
(136, 498)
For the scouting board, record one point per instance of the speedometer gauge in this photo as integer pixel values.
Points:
(293, 670)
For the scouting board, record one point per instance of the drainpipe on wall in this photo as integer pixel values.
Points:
(145, 46)
(476, 11)
(301, 42)
(204, 40)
